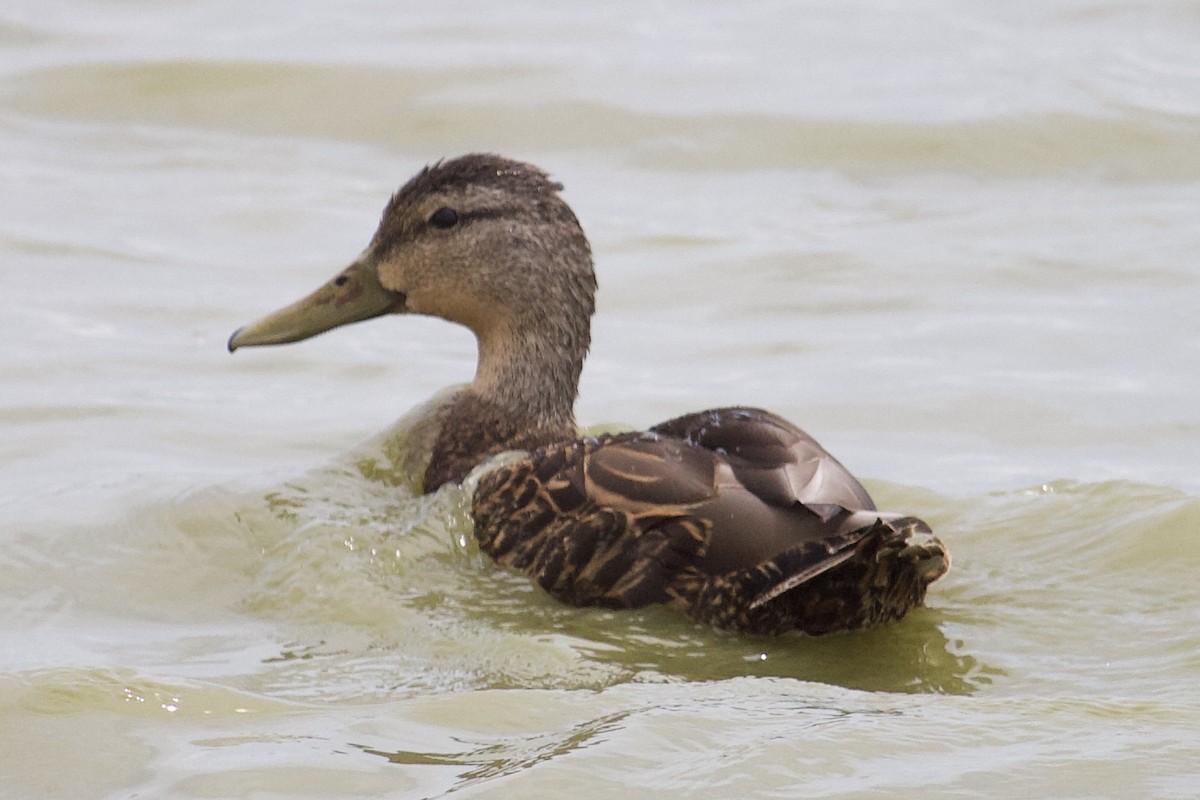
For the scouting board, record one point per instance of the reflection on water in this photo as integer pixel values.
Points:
(405, 572)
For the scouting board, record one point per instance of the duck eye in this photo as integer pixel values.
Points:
(445, 217)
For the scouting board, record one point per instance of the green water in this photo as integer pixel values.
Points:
(957, 244)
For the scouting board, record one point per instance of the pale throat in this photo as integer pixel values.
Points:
(527, 375)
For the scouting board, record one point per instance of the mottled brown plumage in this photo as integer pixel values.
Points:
(734, 515)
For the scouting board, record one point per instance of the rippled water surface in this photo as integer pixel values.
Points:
(956, 242)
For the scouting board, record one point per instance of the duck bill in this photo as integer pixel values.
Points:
(353, 295)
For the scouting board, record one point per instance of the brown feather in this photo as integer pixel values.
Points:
(730, 534)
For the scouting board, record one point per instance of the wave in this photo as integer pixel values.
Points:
(418, 107)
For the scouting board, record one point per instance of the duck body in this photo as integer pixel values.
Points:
(733, 515)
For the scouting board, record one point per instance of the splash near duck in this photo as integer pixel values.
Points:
(734, 515)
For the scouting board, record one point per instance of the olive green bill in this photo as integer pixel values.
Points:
(353, 295)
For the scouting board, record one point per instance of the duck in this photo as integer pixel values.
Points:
(733, 515)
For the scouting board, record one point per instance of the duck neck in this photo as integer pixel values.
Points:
(522, 397)
(530, 371)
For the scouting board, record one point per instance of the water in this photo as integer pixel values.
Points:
(958, 244)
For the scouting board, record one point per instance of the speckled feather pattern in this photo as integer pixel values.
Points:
(541, 515)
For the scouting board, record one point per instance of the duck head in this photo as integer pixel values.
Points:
(480, 240)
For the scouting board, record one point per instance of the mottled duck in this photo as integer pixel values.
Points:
(733, 515)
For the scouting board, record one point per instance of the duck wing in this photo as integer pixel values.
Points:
(617, 543)
(722, 512)
(771, 457)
